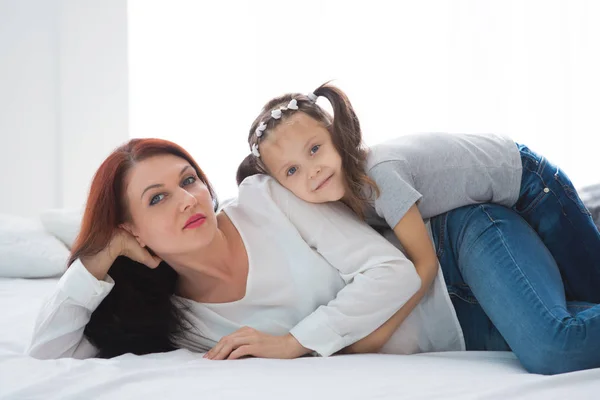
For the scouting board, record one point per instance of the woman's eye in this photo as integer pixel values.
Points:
(291, 171)
(189, 180)
(314, 149)
(156, 199)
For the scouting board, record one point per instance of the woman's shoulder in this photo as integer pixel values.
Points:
(261, 187)
(259, 194)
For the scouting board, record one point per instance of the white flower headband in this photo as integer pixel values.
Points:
(276, 114)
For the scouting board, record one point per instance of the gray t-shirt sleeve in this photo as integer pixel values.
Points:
(397, 190)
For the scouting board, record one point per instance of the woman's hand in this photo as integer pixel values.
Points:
(124, 244)
(250, 342)
(121, 244)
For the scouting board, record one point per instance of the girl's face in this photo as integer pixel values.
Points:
(299, 153)
(170, 207)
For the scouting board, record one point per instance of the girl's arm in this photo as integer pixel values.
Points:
(379, 278)
(415, 240)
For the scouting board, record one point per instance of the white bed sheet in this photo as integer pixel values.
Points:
(182, 374)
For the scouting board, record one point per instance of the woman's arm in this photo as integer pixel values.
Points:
(59, 326)
(412, 234)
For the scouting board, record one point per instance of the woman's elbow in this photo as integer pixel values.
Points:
(48, 351)
(40, 353)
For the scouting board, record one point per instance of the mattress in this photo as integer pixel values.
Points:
(182, 374)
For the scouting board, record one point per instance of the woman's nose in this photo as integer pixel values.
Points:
(188, 200)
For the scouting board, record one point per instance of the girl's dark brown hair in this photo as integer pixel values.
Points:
(139, 315)
(346, 136)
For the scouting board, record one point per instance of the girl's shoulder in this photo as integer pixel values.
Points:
(386, 154)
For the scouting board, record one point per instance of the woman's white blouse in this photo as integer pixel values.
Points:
(315, 271)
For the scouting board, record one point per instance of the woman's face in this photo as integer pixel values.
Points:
(170, 207)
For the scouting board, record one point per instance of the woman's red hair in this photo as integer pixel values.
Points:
(106, 207)
(140, 315)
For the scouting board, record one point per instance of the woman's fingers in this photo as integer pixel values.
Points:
(242, 351)
(223, 352)
(141, 255)
(229, 343)
(131, 248)
(152, 261)
(229, 346)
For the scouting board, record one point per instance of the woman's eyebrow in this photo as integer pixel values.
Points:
(157, 185)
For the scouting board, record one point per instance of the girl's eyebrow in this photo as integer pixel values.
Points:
(308, 141)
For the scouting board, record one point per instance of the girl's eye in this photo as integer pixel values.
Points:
(189, 180)
(314, 149)
(291, 171)
(156, 199)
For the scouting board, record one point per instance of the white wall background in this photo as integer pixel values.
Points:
(77, 78)
(200, 71)
(63, 98)
(29, 161)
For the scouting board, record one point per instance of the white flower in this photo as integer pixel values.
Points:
(255, 150)
(260, 130)
(293, 104)
(276, 114)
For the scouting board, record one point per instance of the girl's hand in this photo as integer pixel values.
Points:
(250, 342)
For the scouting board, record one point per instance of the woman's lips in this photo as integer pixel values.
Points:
(194, 221)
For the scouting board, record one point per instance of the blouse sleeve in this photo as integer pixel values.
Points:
(379, 277)
(59, 326)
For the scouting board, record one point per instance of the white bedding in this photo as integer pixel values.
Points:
(182, 374)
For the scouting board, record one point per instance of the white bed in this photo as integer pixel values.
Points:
(182, 374)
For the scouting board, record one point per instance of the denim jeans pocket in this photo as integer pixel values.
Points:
(463, 292)
(525, 207)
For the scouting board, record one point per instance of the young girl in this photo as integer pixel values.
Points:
(320, 158)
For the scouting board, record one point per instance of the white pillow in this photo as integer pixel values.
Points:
(63, 223)
(28, 251)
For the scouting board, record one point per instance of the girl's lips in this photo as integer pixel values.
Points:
(324, 183)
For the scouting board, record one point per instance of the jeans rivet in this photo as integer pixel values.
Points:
(546, 190)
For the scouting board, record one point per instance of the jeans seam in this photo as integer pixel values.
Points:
(442, 235)
(540, 166)
(542, 195)
(569, 192)
(521, 271)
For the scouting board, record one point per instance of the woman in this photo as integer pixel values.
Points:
(252, 264)
(273, 276)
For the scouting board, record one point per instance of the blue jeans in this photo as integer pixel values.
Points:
(550, 204)
(508, 292)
